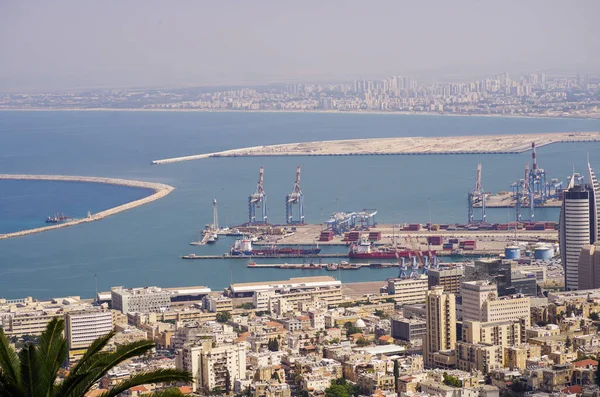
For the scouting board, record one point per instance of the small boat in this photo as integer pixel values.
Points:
(211, 240)
(349, 266)
(190, 256)
(332, 267)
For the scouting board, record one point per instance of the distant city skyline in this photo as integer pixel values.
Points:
(72, 45)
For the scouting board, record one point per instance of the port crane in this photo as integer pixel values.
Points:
(295, 198)
(478, 195)
(258, 200)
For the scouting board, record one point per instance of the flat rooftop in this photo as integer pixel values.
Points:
(297, 282)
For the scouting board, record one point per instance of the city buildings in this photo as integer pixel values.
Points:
(532, 94)
(441, 325)
(410, 330)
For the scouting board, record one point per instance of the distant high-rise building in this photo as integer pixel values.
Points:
(441, 324)
(474, 295)
(578, 225)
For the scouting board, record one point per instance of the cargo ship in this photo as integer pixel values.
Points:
(364, 250)
(244, 247)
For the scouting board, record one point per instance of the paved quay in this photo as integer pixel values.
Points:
(482, 144)
(160, 190)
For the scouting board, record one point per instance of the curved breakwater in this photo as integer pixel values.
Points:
(160, 191)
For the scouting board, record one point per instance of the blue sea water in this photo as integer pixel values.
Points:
(142, 246)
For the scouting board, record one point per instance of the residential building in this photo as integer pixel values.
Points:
(440, 322)
(210, 366)
(82, 328)
(147, 299)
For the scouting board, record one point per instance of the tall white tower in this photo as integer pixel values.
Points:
(215, 215)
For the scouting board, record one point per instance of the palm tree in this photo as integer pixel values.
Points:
(33, 371)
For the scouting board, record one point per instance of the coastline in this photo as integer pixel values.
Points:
(312, 111)
(160, 190)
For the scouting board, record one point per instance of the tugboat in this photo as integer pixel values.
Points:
(57, 218)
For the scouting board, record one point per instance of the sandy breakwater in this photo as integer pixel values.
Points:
(476, 144)
(160, 191)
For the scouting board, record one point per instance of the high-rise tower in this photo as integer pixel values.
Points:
(441, 324)
(578, 224)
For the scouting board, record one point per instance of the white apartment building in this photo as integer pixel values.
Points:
(82, 328)
(409, 290)
(209, 365)
(143, 300)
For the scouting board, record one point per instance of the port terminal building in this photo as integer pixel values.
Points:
(248, 290)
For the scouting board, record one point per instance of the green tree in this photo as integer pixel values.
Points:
(33, 371)
(275, 376)
(380, 313)
(353, 330)
(223, 317)
(362, 342)
(396, 374)
(594, 316)
(227, 382)
(273, 344)
(568, 343)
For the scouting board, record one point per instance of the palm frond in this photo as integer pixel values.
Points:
(29, 370)
(9, 361)
(51, 353)
(80, 377)
(7, 388)
(98, 365)
(144, 378)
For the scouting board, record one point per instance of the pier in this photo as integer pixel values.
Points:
(486, 144)
(227, 256)
(160, 190)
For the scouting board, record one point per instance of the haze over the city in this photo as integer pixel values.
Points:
(70, 44)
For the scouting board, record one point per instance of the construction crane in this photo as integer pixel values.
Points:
(258, 200)
(474, 197)
(295, 198)
(537, 184)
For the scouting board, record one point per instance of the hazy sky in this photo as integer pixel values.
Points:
(75, 44)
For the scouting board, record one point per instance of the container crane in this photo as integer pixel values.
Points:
(258, 200)
(476, 196)
(295, 198)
